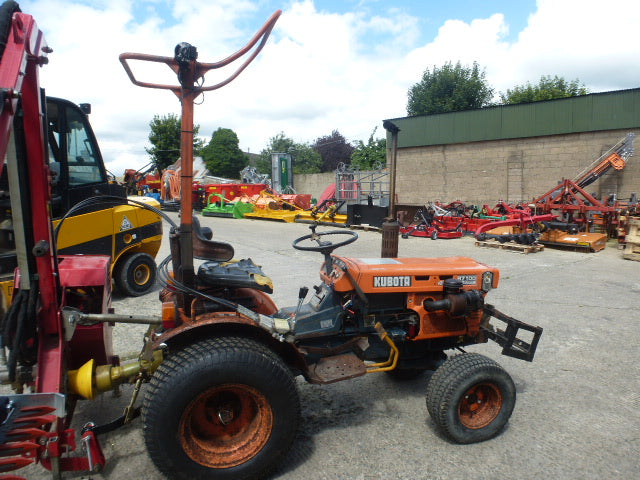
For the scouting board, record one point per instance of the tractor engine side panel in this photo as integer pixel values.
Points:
(440, 323)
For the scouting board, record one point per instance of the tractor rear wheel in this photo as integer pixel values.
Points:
(470, 398)
(135, 274)
(222, 408)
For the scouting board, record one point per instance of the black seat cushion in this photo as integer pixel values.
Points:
(234, 274)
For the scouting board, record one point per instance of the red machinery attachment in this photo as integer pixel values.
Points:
(522, 224)
(138, 182)
(566, 214)
(35, 426)
(569, 199)
(578, 211)
(427, 223)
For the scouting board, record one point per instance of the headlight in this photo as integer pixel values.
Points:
(487, 281)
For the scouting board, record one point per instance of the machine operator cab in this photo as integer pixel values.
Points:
(74, 157)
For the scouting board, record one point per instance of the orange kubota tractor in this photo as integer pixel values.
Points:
(222, 358)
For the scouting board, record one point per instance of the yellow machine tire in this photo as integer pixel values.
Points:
(135, 274)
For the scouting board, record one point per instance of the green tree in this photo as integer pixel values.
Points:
(547, 89)
(449, 88)
(368, 156)
(304, 158)
(223, 156)
(334, 149)
(280, 144)
(165, 140)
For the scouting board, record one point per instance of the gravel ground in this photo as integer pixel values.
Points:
(577, 413)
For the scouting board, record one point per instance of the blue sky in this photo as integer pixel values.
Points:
(329, 65)
(430, 14)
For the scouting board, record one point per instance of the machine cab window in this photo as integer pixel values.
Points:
(71, 140)
(74, 157)
(83, 164)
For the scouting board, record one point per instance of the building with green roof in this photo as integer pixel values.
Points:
(514, 152)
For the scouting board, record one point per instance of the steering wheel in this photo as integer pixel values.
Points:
(324, 246)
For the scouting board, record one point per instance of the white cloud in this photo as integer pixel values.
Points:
(319, 71)
(481, 41)
(594, 41)
(588, 40)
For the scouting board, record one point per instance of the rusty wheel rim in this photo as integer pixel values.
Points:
(480, 405)
(141, 274)
(226, 426)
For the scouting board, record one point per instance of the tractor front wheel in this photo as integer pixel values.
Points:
(470, 398)
(222, 408)
(135, 275)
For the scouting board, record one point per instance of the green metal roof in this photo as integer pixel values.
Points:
(586, 113)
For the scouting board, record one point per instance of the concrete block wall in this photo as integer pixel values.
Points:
(313, 183)
(510, 170)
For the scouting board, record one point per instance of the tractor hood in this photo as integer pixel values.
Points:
(386, 275)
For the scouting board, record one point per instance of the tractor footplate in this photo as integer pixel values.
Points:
(336, 368)
(512, 346)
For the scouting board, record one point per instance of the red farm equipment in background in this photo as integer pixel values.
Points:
(433, 222)
(579, 212)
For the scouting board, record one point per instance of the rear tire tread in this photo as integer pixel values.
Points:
(238, 351)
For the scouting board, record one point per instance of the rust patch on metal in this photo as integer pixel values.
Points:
(200, 321)
(480, 405)
(336, 368)
(226, 425)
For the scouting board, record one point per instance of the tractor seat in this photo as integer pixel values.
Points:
(234, 274)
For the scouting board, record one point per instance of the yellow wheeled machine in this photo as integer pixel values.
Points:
(91, 212)
(129, 234)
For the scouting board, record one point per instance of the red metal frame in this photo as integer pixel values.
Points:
(25, 51)
(523, 221)
(576, 204)
(569, 197)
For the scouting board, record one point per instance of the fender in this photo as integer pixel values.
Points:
(229, 322)
(207, 320)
